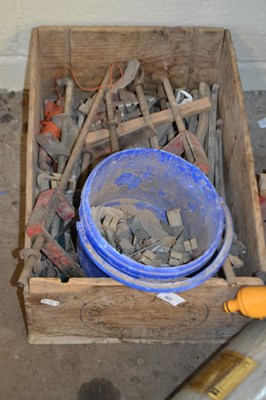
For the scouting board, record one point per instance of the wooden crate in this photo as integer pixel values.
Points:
(102, 310)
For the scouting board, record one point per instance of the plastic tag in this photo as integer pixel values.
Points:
(50, 302)
(171, 298)
(262, 123)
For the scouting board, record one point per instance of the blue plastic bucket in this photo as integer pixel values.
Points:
(154, 181)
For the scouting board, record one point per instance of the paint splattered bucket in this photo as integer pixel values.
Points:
(154, 181)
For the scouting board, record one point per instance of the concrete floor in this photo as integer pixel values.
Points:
(256, 109)
(82, 372)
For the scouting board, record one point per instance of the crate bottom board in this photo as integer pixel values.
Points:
(101, 310)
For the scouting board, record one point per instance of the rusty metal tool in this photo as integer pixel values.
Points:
(48, 137)
(136, 130)
(262, 185)
(203, 125)
(69, 133)
(138, 83)
(193, 121)
(132, 137)
(48, 203)
(128, 76)
(173, 105)
(47, 181)
(59, 150)
(177, 146)
(87, 160)
(211, 143)
(163, 104)
(66, 128)
(52, 146)
(77, 150)
(53, 201)
(31, 260)
(218, 173)
(112, 124)
(193, 151)
(229, 273)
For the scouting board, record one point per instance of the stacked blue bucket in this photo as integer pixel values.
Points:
(158, 181)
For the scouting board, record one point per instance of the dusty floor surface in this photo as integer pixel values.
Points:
(80, 372)
(256, 110)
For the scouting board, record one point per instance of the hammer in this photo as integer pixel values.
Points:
(138, 83)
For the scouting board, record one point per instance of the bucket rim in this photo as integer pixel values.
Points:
(172, 285)
(107, 251)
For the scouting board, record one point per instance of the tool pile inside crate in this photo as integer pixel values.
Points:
(77, 131)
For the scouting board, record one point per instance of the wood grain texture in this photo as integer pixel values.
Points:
(102, 310)
(90, 50)
(158, 118)
(35, 106)
(54, 54)
(205, 55)
(189, 55)
(240, 182)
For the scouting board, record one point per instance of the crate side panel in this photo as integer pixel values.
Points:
(240, 182)
(159, 49)
(54, 55)
(110, 312)
(205, 55)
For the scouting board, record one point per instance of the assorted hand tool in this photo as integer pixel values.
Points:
(134, 111)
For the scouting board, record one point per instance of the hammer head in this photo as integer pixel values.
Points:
(139, 79)
(159, 78)
(129, 75)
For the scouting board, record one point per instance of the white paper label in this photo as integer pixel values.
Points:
(50, 302)
(171, 298)
(262, 123)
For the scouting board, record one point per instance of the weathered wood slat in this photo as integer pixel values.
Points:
(35, 105)
(155, 47)
(205, 55)
(103, 310)
(240, 181)
(159, 118)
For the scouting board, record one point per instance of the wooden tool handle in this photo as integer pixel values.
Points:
(169, 93)
(146, 112)
(75, 154)
(112, 123)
